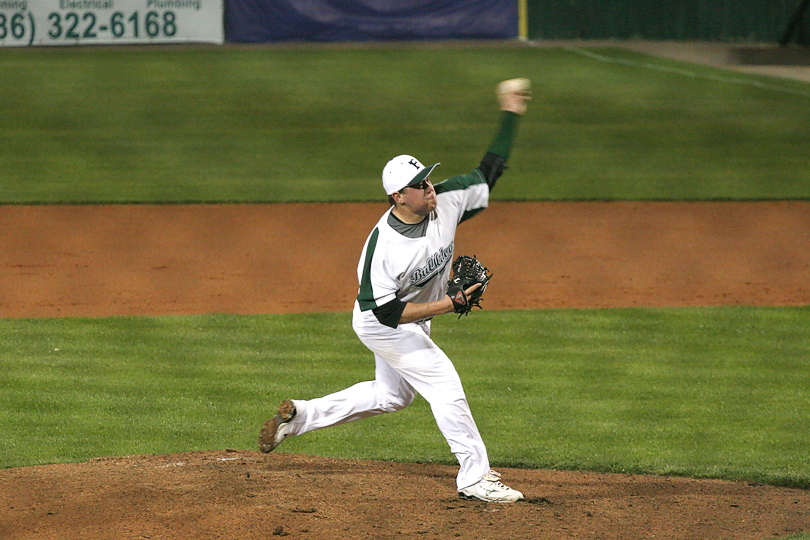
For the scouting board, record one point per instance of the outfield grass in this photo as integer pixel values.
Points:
(714, 392)
(274, 124)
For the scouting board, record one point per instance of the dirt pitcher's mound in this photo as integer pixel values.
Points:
(246, 495)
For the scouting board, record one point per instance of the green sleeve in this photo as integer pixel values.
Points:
(502, 144)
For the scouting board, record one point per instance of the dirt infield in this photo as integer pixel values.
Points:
(151, 260)
(154, 260)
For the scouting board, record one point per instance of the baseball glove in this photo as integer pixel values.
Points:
(467, 271)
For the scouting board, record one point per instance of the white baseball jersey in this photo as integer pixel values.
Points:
(412, 262)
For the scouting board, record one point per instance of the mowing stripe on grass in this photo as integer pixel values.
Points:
(686, 72)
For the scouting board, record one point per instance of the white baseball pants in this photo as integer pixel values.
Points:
(407, 361)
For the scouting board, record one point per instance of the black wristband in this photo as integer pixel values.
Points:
(492, 167)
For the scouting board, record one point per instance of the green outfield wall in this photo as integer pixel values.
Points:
(679, 20)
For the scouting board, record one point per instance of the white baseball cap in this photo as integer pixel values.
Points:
(404, 171)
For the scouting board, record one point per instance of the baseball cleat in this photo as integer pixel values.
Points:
(491, 489)
(277, 428)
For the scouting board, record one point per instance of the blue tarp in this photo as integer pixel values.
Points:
(254, 21)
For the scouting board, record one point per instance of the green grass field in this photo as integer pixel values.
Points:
(275, 124)
(719, 393)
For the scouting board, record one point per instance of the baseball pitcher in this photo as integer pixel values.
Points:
(404, 276)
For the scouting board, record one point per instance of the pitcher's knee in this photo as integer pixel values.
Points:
(394, 403)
